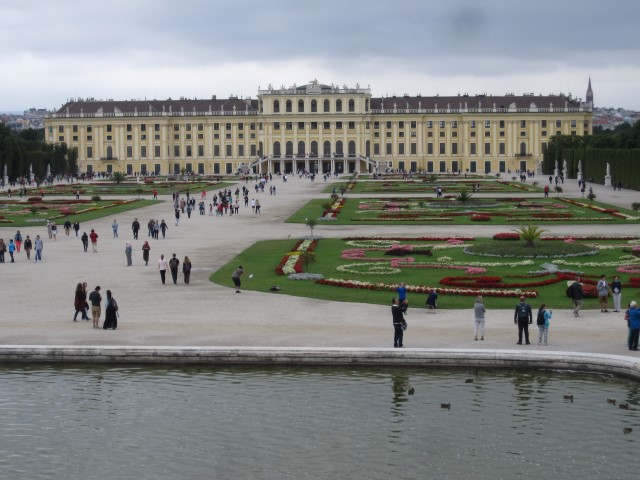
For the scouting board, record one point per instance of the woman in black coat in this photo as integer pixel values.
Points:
(111, 314)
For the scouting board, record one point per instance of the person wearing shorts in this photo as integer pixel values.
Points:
(236, 277)
(95, 298)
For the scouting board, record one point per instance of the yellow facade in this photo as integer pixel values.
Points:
(316, 128)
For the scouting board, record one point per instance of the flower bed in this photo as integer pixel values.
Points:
(291, 263)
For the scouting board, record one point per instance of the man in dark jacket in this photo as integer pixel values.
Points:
(135, 226)
(173, 266)
(523, 317)
(398, 320)
(575, 292)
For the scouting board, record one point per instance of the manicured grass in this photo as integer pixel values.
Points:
(495, 211)
(425, 186)
(262, 258)
(20, 215)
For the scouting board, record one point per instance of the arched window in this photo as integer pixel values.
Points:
(523, 149)
(289, 149)
(301, 151)
(288, 106)
(352, 105)
(352, 148)
(366, 105)
(276, 106)
(338, 105)
(300, 106)
(326, 148)
(109, 152)
(314, 148)
(327, 108)
(339, 150)
(314, 106)
(276, 149)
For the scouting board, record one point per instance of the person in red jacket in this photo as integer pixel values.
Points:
(93, 236)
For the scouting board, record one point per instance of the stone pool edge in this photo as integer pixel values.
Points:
(288, 356)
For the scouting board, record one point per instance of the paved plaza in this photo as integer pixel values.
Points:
(37, 298)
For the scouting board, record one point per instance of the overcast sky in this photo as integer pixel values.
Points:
(52, 51)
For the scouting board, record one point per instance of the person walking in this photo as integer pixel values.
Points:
(235, 276)
(79, 302)
(574, 291)
(11, 248)
(398, 323)
(146, 248)
(544, 315)
(95, 299)
(114, 227)
(173, 265)
(523, 317)
(186, 269)
(616, 288)
(128, 251)
(18, 239)
(135, 227)
(603, 294)
(162, 268)
(28, 246)
(111, 313)
(3, 249)
(85, 241)
(478, 313)
(76, 227)
(93, 236)
(634, 325)
(163, 227)
(38, 246)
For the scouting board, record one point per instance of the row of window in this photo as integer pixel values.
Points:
(288, 106)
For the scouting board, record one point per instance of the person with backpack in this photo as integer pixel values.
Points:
(544, 315)
(523, 317)
(173, 266)
(574, 292)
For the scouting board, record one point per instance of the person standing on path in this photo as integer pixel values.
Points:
(186, 269)
(18, 239)
(114, 227)
(111, 313)
(128, 251)
(603, 294)
(574, 291)
(616, 288)
(162, 268)
(28, 245)
(634, 325)
(146, 248)
(3, 248)
(237, 273)
(93, 236)
(12, 248)
(544, 316)
(78, 303)
(135, 227)
(523, 317)
(478, 313)
(174, 263)
(39, 246)
(402, 297)
(95, 298)
(398, 320)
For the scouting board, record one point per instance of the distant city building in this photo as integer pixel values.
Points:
(316, 127)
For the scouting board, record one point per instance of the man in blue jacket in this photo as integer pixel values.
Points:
(634, 324)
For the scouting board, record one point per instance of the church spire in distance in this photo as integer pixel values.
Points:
(589, 93)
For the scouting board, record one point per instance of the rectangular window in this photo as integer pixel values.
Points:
(143, 137)
(241, 126)
(89, 129)
(487, 148)
(176, 136)
(326, 126)
(443, 148)
(544, 124)
(74, 138)
(401, 149)
(472, 149)
(413, 124)
(414, 148)
(216, 126)
(376, 125)
(188, 136)
(176, 128)
(143, 168)
(129, 137)
(472, 124)
(289, 125)
(543, 133)
(573, 124)
(502, 148)
(276, 125)
(200, 150)
(429, 124)
(228, 127)
(502, 124)
(300, 125)
(129, 151)
(400, 134)
(389, 148)
(454, 124)
(108, 128)
(441, 124)
(400, 124)
(314, 125)
(89, 152)
(188, 150)
(376, 149)
(216, 150)
(523, 124)
(75, 127)
(443, 167)
(156, 151)
(89, 138)
(367, 125)
(352, 125)
(454, 148)
(200, 127)
(253, 150)
(229, 152)
(129, 127)
(558, 124)
(487, 124)
(388, 125)
(176, 150)
(188, 127)
(143, 151)
(157, 137)
(429, 148)
(338, 125)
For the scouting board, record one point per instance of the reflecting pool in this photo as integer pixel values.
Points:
(316, 423)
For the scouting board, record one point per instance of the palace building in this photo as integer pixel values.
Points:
(315, 127)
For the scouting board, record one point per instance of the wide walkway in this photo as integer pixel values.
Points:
(37, 299)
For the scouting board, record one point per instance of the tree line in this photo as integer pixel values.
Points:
(20, 150)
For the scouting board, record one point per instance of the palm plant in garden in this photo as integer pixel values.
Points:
(635, 206)
(530, 233)
(118, 177)
(33, 209)
(306, 258)
(464, 196)
(311, 223)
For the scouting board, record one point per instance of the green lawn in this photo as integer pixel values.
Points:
(425, 186)
(365, 262)
(496, 211)
(19, 215)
